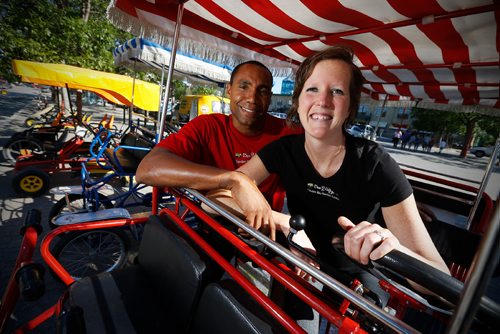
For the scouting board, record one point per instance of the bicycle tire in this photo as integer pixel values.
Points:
(85, 253)
(15, 147)
(31, 182)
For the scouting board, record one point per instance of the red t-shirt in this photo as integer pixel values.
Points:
(213, 140)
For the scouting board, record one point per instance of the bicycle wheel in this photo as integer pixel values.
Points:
(31, 182)
(76, 205)
(91, 252)
(20, 146)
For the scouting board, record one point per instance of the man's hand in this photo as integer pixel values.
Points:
(254, 206)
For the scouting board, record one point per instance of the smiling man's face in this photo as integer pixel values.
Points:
(250, 94)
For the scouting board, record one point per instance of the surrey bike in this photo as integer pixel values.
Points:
(100, 199)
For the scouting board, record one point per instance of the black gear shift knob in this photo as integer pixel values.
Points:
(297, 222)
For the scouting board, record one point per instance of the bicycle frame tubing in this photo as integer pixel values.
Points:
(333, 316)
(90, 190)
(51, 260)
(387, 319)
(102, 141)
(25, 255)
(288, 323)
(119, 167)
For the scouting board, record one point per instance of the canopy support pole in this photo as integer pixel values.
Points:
(69, 100)
(162, 94)
(131, 109)
(484, 182)
(161, 124)
(380, 116)
(481, 270)
(161, 127)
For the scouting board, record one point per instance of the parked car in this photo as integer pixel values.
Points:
(362, 131)
(278, 114)
(480, 151)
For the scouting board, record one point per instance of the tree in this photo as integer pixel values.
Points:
(77, 33)
(440, 122)
(205, 90)
(470, 125)
(469, 120)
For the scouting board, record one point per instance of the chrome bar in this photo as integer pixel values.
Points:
(484, 182)
(170, 75)
(480, 274)
(389, 320)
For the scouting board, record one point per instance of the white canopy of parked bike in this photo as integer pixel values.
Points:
(146, 55)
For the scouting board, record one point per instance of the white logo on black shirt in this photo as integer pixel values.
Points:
(322, 191)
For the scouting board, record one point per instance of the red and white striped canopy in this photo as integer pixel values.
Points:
(439, 51)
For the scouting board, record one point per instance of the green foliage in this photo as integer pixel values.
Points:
(437, 121)
(54, 32)
(204, 90)
(484, 129)
(179, 89)
(489, 130)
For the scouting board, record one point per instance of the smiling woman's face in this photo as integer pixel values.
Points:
(324, 99)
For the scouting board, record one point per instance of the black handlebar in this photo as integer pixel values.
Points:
(435, 280)
(440, 283)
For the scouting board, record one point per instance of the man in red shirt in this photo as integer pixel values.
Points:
(205, 152)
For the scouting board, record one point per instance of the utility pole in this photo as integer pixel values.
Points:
(380, 116)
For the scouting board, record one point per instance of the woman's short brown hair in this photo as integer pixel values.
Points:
(338, 52)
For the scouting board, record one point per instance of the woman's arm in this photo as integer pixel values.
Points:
(405, 232)
(403, 220)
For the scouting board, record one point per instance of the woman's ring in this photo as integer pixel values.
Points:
(379, 233)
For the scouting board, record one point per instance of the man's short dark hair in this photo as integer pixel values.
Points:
(250, 62)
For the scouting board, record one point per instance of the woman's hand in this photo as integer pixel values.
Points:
(303, 241)
(365, 241)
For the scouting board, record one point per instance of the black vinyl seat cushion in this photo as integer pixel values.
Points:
(122, 160)
(159, 294)
(226, 308)
(128, 159)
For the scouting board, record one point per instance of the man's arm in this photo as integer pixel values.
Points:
(163, 168)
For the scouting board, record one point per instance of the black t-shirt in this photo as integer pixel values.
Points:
(367, 176)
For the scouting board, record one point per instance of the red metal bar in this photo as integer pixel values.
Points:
(154, 203)
(291, 275)
(440, 180)
(45, 245)
(483, 221)
(284, 319)
(435, 83)
(427, 66)
(294, 287)
(11, 294)
(35, 322)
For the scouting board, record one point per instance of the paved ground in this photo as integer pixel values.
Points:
(18, 104)
(15, 107)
